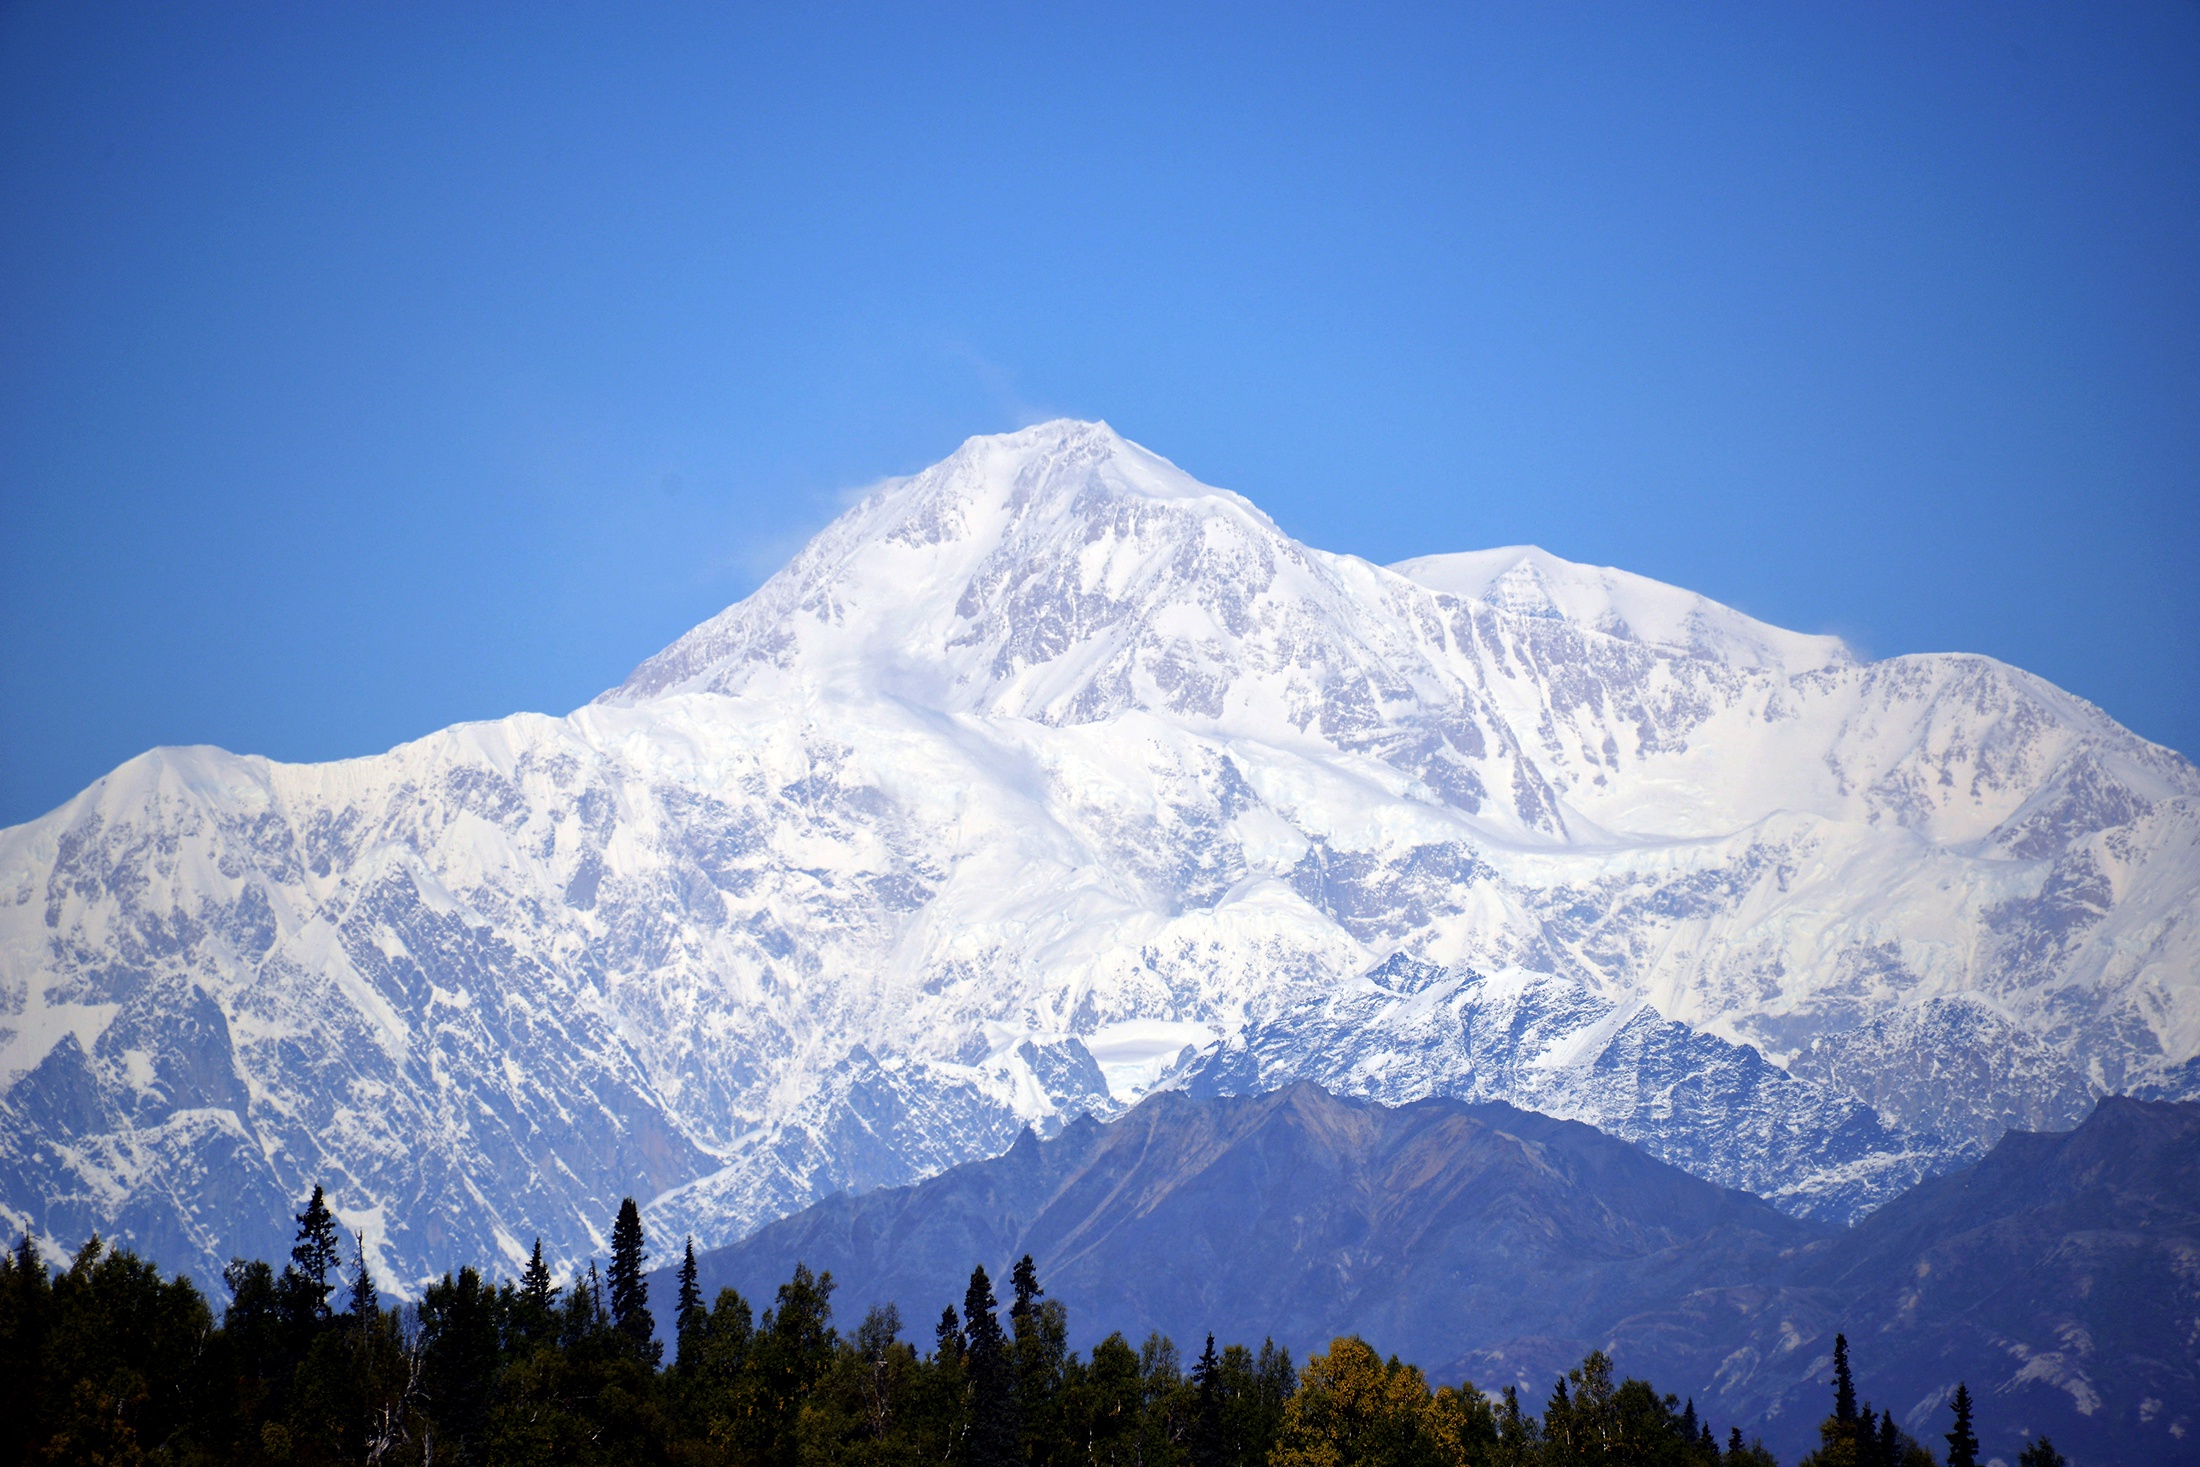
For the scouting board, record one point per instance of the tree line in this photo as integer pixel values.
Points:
(106, 1362)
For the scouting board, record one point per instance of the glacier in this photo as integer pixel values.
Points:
(1048, 777)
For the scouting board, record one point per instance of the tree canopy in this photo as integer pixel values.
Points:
(105, 1361)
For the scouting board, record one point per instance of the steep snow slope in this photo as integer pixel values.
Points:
(1049, 775)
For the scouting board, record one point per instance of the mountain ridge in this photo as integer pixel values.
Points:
(1031, 774)
(1488, 1243)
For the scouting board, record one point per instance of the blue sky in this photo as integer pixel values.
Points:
(365, 369)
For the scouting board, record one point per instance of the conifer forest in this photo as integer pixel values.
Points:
(105, 1361)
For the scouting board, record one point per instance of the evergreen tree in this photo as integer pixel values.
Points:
(1024, 1285)
(688, 1321)
(994, 1430)
(1865, 1434)
(1839, 1443)
(1040, 1360)
(1844, 1385)
(944, 1402)
(1891, 1442)
(315, 1256)
(1518, 1432)
(105, 1362)
(2041, 1453)
(629, 1286)
(366, 1300)
(459, 1353)
(26, 1296)
(1560, 1442)
(531, 1316)
(1962, 1445)
(1207, 1442)
(534, 1283)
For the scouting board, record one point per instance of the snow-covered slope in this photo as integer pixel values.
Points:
(1049, 775)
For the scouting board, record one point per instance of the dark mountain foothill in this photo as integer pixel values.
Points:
(2059, 1277)
(2056, 1276)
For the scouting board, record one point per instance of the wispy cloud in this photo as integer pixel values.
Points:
(999, 383)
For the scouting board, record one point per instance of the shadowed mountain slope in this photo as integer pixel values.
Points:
(2059, 1276)
(1300, 1215)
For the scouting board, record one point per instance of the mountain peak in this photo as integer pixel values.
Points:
(1526, 580)
(1061, 527)
(1034, 778)
(1064, 573)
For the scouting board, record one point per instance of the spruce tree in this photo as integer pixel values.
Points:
(688, 1322)
(1518, 1432)
(2041, 1453)
(1891, 1440)
(994, 1430)
(629, 1287)
(947, 1336)
(1866, 1437)
(1838, 1435)
(1559, 1436)
(366, 1301)
(1207, 1436)
(317, 1254)
(1844, 1385)
(1039, 1365)
(1962, 1445)
(458, 1347)
(534, 1284)
(26, 1309)
(1024, 1284)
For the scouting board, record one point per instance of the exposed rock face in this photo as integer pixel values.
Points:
(1407, 1031)
(1030, 774)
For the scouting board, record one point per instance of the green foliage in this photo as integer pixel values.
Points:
(995, 1430)
(1598, 1421)
(688, 1311)
(1853, 1438)
(630, 1314)
(314, 1257)
(107, 1362)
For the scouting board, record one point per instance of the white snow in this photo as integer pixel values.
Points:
(1053, 741)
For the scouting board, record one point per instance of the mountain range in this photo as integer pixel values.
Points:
(2055, 1276)
(1048, 778)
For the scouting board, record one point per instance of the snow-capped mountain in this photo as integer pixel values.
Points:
(1050, 775)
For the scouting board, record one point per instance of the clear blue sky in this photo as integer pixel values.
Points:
(366, 368)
